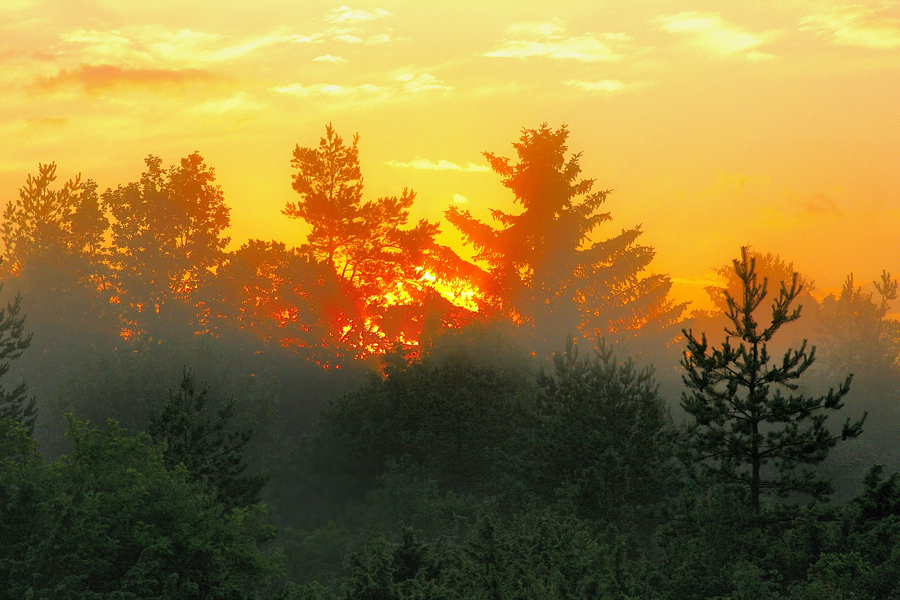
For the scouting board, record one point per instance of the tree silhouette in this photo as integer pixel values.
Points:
(380, 262)
(742, 421)
(56, 257)
(545, 270)
(167, 242)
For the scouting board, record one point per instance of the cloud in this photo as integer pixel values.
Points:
(460, 199)
(549, 29)
(405, 83)
(46, 122)
(349, 26)
(606, 85)
(719, 37)
(345, 14)
(327, 89)
(420, 83)
(820, 204)
(236, 103)
(440, 165)
(547, 41)
(330, 59)
(150, 45)
(585, 48)
(856, 25)
(102, 78)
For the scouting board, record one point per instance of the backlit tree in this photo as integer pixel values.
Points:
(167, 239)
(380, 261)
(545, 267)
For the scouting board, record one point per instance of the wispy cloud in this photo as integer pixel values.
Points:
(345, 14)
(330, 89)
(820, 204)
(405, 84)
(350, 26)
(102, 78)
(856, 25)
(234, 104)
(440, 165)
(546, 40)
(717, 36)
(330, 59)
(152, 45)
(605, 85)
(421, 83)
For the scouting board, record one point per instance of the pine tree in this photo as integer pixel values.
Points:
(206, 445)
(743, 422)
(14, 403)
(545, 268)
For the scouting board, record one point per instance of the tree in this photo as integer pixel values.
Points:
(380, 262)
(57, 226)
(602, 435)
(167, 243)
(742, 420)
(544, 267)
(857, 334)
(109, 520)
(55, 255)
(207, 446)
(285, 297)
(14, 403)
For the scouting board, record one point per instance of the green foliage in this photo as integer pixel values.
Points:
(742, 420)
(208, 446)
(452, 413)
(110, 520)
(14, 403)
(601, 438)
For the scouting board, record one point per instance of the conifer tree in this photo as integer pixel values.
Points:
(746, 431)
(207, 445)
(14, 403)
(546, 268)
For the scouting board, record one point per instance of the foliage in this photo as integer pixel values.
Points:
(602, 437)
(545, 270)
(166, 243)
(452, 413)
(283, 296)
(741, 420)
(378, 261)
(14, 403)
(56, 256)
(46, 225)
(857, 335)
(111, 521)
(208, 446)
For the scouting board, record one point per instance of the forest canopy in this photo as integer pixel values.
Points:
(364, 413)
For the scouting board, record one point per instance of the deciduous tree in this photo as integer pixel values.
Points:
(167, 238)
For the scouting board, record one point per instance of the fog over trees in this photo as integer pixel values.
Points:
(366, 414)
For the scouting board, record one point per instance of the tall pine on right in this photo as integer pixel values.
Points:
(750, 428)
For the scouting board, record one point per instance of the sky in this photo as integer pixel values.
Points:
(716, 125)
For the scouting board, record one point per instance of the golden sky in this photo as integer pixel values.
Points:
(775, 124)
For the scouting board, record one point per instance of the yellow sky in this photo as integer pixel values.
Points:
(775, 124)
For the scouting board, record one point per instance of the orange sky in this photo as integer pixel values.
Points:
(717, 124)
